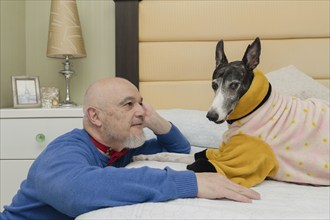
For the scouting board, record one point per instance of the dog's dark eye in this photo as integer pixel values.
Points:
(214, 86)
(233, 85)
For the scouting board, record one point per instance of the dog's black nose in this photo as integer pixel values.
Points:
(212, 116)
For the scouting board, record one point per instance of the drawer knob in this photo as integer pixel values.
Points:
(40, 138)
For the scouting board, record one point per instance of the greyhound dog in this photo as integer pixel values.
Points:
(270, 135)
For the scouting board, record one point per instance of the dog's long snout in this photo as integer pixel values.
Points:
(214, 116)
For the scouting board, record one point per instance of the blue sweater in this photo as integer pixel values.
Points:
(70, 177)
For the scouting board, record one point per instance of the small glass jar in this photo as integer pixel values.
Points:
(49, 97)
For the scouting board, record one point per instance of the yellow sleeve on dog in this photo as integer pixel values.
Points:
(244, 160)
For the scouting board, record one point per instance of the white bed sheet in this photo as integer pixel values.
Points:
(279, 201)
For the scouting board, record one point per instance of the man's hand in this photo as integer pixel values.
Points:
(217, 186)
(154, 121)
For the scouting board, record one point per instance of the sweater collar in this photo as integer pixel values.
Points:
(257, 94)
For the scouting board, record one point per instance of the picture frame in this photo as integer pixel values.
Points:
(26, 91)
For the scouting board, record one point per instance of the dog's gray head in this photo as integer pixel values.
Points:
(230, 81)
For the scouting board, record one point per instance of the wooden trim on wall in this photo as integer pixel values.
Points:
(127, 40)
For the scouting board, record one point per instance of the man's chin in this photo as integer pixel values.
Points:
(134, 141)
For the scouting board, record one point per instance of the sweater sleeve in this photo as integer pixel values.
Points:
(244, 159)
(77, 177)
(173, 141)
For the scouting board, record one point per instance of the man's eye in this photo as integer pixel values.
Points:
(129, 104)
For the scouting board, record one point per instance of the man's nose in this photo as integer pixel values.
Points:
(139, 109)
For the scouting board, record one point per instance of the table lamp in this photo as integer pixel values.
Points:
(65, 39)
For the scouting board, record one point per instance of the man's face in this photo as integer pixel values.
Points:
(123, 119)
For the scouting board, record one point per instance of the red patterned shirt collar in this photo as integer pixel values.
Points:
(114, 155)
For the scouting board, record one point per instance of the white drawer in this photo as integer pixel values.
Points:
(18, 136)
(13, 172)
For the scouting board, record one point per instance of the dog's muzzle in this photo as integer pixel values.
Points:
(213, 116)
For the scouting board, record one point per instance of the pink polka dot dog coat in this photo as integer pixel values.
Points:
(296, 130)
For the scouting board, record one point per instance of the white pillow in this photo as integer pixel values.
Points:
(194, 126)
(291, 81)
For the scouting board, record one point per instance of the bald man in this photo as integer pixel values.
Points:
(83, 170)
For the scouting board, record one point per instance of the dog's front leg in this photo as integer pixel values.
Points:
(166, 157)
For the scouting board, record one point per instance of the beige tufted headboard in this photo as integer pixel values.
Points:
(167, 47)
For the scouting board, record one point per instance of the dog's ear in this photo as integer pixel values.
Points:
(220, 56)
(252, 54)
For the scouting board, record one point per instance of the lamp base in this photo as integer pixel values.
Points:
(67, 73)
(67, 104)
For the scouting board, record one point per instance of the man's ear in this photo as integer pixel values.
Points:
(93, 116)
(220, 56)
(252, 54)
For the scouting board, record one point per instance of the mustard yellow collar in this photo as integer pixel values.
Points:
(253, 97)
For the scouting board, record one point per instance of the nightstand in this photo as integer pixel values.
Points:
(24, 134)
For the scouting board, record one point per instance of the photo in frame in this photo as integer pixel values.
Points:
(26, 91)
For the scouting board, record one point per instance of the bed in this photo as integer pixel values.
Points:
(167, 47)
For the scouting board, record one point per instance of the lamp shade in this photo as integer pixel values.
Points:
(64, 36)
